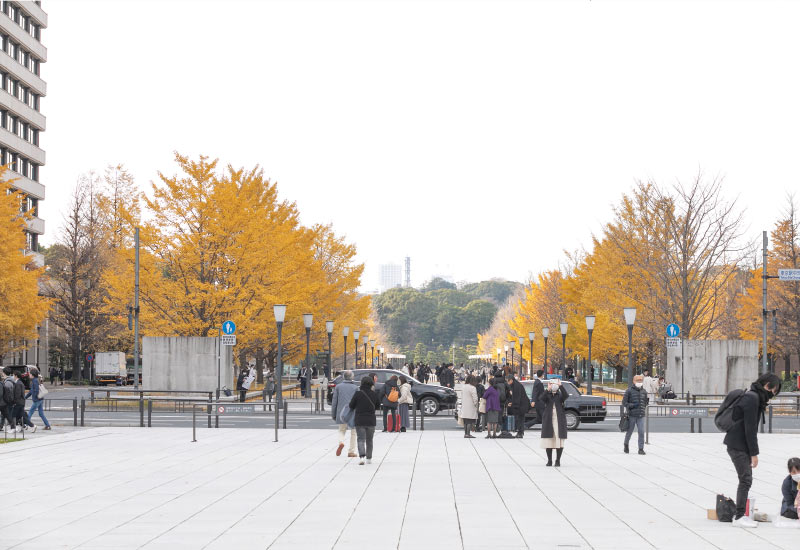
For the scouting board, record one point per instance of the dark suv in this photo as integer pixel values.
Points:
(430, 399)
(578, 407)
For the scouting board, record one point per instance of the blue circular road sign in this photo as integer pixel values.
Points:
(229, 327)
(673, 330)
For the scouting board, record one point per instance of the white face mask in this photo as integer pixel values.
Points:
(796, 477)
(639, 384)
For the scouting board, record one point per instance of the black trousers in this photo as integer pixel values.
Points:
(242, 395)
(5, 416)
(519, 420)
(741, 461)
(387, 411)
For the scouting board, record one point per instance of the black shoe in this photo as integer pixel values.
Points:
(488, 436)
(558, 464)
(627, 449)
(549, 463)
(383, 430)
(519, 436)
(469, 437)
(402, 429)
(641, 452)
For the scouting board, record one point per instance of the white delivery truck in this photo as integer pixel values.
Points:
(109, 368)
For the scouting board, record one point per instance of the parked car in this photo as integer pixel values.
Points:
(578, 407)
(430, 399)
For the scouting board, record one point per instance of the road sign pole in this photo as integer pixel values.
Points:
(764, 307)
(136, 314)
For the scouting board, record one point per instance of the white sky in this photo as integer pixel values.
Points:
(480, 138)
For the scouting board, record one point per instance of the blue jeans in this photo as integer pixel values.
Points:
(637, 423)
(39, 405)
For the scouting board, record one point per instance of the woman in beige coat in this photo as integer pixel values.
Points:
(404, 402)
(469, 405)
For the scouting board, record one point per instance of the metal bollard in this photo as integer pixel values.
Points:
(285, 412)
(149, 413)
(415, 414)
(75, 411)
(216, 416)
(689, 402)
(194, 428)
(422, 419)
(91, 396)
(210, 398)
(83, 410)
(141, 409)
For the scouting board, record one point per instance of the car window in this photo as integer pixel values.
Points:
(571, 390)
(529, 390)
(383, 376)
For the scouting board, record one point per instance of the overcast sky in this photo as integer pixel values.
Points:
(480, 138)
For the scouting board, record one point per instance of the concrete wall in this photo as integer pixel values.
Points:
(184, 363)
(713, 366)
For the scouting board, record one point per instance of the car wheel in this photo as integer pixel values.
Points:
(573, 420)
(429, 406)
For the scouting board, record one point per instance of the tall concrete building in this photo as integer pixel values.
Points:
(21, 120)
(391, 275)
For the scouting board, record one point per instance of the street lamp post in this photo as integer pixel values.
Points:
(356, 334)
(505, 347)
(545, 335)
(498, 355)
(531, 335)
(329, 329)
(563, 349)
(365, 352)
(372, 356)
(511, 345)
(308, 319)
(590, 328)
(280, 314)
(630, 319)
(521, 343)
(345, 332)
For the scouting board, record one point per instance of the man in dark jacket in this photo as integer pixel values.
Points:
(538, 390)
(19, 413)
(240, 385)
(742, 438)
(635, 403)
(450, 376)
(7, 400)
(520, 404)
(304, 376)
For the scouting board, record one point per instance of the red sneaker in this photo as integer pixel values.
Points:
(339, 449)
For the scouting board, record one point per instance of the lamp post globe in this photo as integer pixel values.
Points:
(630, 318)
(564, 349)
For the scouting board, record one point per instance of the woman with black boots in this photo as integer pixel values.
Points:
(469, 406)
(554, 421)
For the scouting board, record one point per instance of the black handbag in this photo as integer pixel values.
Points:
(726, 509)
(624, 423)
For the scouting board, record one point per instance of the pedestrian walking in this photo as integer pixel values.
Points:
(650, 384)
(37, 399)
(18, 412)
(53, 375)
(391, 395)
(343, 414)
(742, 437)
(554, 424)
(240, 385)
(61, 375)
(481, 389)
(635, 402)
(492, 399)
(270, 382)
(520, 404)
(469, 406)
(7, 402)
(405, 401)
(365, 402)
(304, 377)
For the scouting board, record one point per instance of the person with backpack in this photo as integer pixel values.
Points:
(635, 402)
(554, 424)
(365, 402)
(789, 490)
(405, 401)
(390, 397)
(738, 416)
(18, 412)
(38, 400)
(7, 401)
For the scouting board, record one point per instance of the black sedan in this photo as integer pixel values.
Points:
(430, 399)
(578, 407)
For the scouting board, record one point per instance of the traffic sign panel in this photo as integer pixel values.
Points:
(789, 274)
(673, 330)
(228, 339)
(89, 356)
(236, 409)
(673, 342)
(229, 327)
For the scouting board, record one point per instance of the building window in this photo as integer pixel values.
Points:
(35, 172)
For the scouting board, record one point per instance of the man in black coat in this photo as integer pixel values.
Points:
(742, 438)
(538, 390)
(520, 404)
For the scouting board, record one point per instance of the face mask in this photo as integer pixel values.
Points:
(639, 384)
(796, 477)
(553, 388)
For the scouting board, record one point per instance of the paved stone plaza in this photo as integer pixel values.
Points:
(236, 489)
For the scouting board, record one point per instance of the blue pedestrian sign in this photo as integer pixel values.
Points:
(228, 327)
(673, 330)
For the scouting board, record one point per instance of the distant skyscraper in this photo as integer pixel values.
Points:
(408, 272)
(391, 276)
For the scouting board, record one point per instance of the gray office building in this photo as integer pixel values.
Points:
(21, 119)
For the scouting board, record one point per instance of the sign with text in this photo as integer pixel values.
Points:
(789, 274)
(236, 409)
(673, 342)
(688, 412)
(228, 339)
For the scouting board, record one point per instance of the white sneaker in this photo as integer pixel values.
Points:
(34, 428)
(369, 461)
(361, 462)
(17, 429)
(745, 522)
